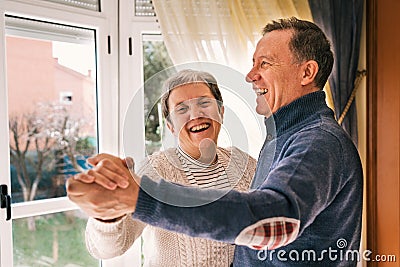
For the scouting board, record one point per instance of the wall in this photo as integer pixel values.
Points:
(383, 129)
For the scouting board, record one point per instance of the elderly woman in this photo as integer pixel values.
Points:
(192, 106)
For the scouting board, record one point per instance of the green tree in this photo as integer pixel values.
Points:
(157, 69)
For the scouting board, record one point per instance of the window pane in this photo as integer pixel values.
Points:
(156, 59)
(52, 105)
(52, 240)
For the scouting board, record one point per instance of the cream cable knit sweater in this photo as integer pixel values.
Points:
(163, 248)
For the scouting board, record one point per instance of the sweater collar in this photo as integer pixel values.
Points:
(295, 112)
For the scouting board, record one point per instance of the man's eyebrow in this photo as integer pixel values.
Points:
(268, 57)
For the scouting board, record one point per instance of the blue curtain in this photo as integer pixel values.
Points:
(341, 20)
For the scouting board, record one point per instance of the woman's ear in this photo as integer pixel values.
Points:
(170, 127)
(310, 70)
(221, 112)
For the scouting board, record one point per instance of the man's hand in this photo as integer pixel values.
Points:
(108, 171)
(90, 194)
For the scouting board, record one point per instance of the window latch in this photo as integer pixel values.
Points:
(5, 200)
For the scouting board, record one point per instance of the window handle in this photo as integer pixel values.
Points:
(130, 46)
(109, 44)
(5, 200)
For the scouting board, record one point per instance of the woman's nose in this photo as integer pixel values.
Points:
(195, 112)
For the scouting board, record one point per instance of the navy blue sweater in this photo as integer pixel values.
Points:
(305, 206)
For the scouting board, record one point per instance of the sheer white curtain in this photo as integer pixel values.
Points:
(225, 32)
(220, 31)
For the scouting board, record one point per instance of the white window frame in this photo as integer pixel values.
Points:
(105, 24)
(131, 75)
(120, 77)
(131, 81)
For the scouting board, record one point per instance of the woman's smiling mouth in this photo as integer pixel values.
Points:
(200, 127)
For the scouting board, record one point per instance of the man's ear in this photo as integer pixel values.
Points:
(310, 70)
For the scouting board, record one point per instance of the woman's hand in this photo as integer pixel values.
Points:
(108, 171)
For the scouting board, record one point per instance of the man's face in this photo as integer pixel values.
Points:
(194, 116)
(275, 75)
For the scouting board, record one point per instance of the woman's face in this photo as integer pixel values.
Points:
(193, 116)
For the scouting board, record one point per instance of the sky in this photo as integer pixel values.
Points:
(79, 57)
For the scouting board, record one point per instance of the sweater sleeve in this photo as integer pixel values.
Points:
(108, 240)
(292, 194)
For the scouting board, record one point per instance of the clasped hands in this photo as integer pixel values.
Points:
(108, 191)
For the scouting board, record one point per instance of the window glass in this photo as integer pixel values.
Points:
(55, 240)
(156, 60)
(51, 85)
(51, 78)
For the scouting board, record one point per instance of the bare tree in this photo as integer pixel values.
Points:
(35, 139)
(65, 130)
(26, 132)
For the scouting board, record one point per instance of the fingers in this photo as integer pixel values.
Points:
(109, 171)
(102, 180)
(96, 201)
(91, 198)
(129, 163)
(104, 177)
(92, 161)
(97, 158)
(84, 177)
(76, 187)
(118, 174)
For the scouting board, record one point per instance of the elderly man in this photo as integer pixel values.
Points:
(306, 200)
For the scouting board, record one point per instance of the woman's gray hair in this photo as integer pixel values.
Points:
(188, 76)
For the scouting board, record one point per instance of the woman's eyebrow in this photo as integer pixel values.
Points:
(204, 96)
(199, 97)
(180, 103)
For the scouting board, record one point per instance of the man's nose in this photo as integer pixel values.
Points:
(252, 76)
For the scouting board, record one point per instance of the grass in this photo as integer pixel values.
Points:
(58, 241)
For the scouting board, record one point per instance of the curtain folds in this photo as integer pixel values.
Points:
(342, 22)
(226, 32)
(220, 31)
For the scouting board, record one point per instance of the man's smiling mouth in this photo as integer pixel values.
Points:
(261, 91)
(200, 127)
